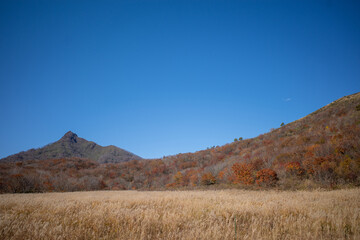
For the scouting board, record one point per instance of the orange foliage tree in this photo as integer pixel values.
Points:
(178, 179)
(221, 175)
(208, 179)
(244, 173)
(267, 177)
(294, 168)
(191, 177)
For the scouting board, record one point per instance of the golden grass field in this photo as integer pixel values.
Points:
(182, 215)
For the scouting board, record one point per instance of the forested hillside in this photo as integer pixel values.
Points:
(319, 150)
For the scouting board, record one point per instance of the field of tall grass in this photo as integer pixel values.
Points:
(222, 214)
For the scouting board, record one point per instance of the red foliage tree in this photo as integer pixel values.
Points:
(267, 177)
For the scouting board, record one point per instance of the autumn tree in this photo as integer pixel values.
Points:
(267, 177)
(244, 173)
(221, 175)
(193, 179)
(208, 179)
(349, 169)
(179, 179)
(294, 168)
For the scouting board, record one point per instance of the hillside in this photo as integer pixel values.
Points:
(72, 146)
(319, 150)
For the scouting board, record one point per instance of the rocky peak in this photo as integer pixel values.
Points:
(70, 137)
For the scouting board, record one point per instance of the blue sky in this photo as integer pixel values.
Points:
(163, 77)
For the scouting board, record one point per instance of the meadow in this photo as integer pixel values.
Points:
(213, 214)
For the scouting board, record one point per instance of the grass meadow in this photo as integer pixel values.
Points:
(221, 214)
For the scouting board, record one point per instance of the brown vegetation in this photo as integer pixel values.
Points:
(182, 215)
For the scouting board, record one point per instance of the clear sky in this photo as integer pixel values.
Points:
(163, 77)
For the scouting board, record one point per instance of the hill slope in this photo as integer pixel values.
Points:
(70, 146)
(319, 150)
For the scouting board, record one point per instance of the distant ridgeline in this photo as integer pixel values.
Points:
(319, 150)
(71, 146)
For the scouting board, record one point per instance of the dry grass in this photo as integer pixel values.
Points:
(181, 215)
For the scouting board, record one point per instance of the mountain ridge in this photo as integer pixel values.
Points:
(72, 146)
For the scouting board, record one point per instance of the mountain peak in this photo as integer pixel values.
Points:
(70, 136)
(72, 146)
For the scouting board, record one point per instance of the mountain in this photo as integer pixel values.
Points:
(321, 149)
(72, 146)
